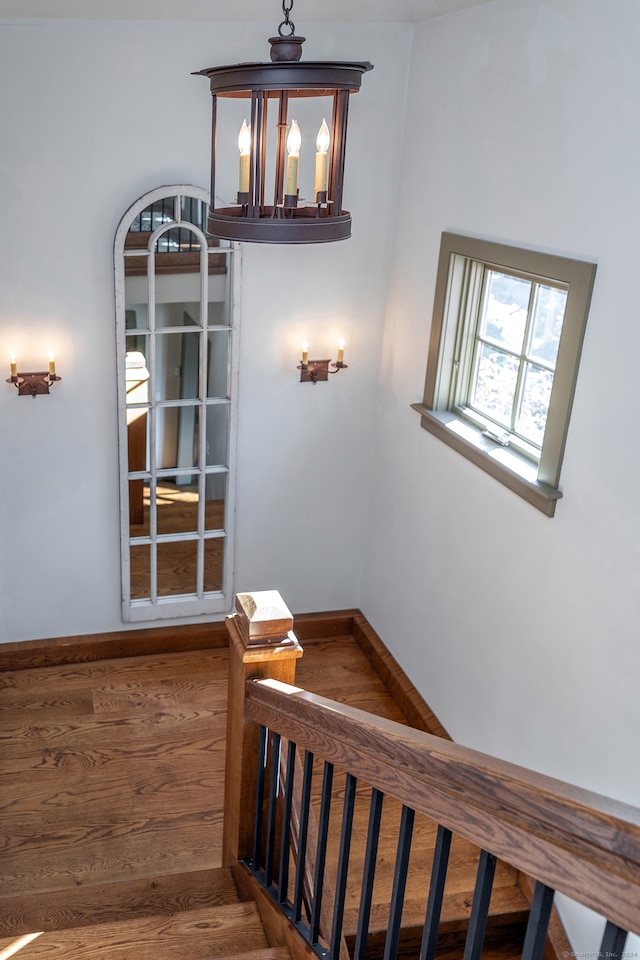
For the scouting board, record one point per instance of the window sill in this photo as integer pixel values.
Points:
(502, 463)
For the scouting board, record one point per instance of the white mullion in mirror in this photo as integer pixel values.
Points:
(176, 349)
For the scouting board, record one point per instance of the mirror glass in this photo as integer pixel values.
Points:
(175, 353)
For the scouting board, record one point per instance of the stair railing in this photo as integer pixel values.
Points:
(568, 839)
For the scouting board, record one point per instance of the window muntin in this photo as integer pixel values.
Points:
(515, 342)
(176, 348)
(538, 344)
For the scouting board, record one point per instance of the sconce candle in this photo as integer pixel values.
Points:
(14, 365)
(294, 141)
(244, 146)
(305, 352)
(340, 351)
(52, 364)
(322, 146)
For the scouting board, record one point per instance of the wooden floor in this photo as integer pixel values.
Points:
(111, 790)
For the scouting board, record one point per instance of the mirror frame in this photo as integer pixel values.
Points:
(199, 603)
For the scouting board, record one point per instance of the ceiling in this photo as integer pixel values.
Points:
(365, 11)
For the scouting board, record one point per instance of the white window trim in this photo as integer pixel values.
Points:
(457, 280)
(189, 606)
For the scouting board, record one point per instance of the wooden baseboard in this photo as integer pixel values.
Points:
(111, 646)
(86, 648)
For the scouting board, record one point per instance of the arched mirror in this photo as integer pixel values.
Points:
(176, 389)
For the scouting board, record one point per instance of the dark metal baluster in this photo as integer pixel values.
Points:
(302, 839)
(368, 874)
(321, 853)
(436, 893)
(271, 816)
(613, 941)
(539, 916)
(257, 824)
(285, 840)
(480, 906)
(399, 884)
(343, 865)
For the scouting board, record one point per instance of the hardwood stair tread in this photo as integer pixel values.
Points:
(87, 905)
(508, 906)
(229, 930)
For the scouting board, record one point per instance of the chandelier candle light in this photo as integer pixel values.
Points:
(289, 218)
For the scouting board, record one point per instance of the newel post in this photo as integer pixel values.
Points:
(261, 645)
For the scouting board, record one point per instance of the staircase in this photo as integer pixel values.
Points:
(229, 929)
(111, 807)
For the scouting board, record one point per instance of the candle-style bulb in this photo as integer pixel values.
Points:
(305, 352)
(294, 140)
(52, 363)
(322, 146)
(244, 139)
(14, 366)
(244, 146)
(322, 140)
(340, 351)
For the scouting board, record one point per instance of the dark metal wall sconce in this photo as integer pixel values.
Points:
(313, 371)
(33, 384)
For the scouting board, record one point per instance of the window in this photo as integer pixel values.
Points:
(507, 331)
(176, 341)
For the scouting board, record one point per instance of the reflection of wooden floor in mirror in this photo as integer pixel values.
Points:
(177, 562)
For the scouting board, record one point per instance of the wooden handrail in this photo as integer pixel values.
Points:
(578, 842)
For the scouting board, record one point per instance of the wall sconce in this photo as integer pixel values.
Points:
(32, 384)
(312, 371)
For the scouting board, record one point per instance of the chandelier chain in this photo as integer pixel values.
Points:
(287, 6)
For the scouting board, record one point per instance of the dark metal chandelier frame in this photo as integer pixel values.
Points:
(285, 220)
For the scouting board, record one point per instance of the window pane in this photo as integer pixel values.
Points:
(140, 559)
(177, 437)
(534, 406)
(218, 313)
(178, 240)
(177, 568)
(177, 506)
(181, 313)
(138, 508)
(136, 317)
(547, 324)
(195, 211)
(157, 213)
(177, 366)
(505, 313)
(218, 364)
(213, 564)
(137, 438)
(494, 389)
(217, 417)
(216, 493)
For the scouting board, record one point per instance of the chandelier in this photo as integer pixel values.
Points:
(272, 153)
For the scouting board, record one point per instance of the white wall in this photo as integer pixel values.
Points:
(522, 632)
(93, 116)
